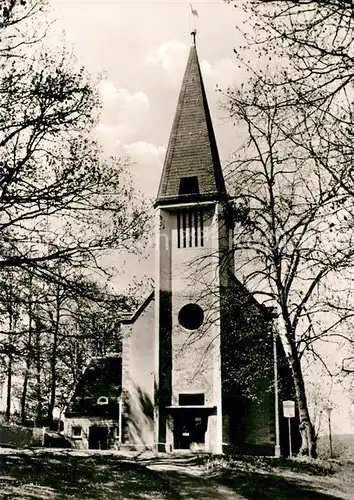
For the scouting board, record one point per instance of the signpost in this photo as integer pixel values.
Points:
(289, 413)
(329, 411)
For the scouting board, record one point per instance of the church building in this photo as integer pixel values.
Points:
(186, 370)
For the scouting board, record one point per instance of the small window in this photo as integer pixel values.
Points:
(102, 400)
(191, 399)
(76, 431)
(189, 185)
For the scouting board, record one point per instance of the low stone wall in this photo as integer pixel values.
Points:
(15, 436)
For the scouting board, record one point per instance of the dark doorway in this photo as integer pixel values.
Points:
(189, 427)
(98, 438)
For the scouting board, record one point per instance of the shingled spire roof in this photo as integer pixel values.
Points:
(192, 169)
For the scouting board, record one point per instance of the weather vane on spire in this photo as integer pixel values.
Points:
(194, 14)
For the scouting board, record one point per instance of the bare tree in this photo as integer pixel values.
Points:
(49, 332)
(89, 326)
(60, 198)
(11, 322)
(289, 246)
(62, 203)
(309, 44)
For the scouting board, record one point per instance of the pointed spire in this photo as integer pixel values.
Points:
(192, 169)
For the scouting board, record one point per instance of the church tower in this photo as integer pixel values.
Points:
(192, 268)
(189, 350)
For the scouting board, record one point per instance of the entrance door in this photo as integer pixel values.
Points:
(98, 438)
(189, 428)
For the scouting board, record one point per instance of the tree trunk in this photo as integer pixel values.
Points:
(9, 387)
(53, 383)
(307, 431)
(24, 393)
(27, 366)
(9, 369)
(53, 360)
(38, 365)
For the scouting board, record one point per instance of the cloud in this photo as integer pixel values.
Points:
(205, 68)
(104, 129)
(171, 56)
(111, 136)
(142, 149)
(223, 73)
(110, 94)
(146, 169)
(125, 115)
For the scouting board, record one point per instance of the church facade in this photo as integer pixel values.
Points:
(186, 374)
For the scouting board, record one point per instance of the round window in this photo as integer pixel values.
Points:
(191, 316)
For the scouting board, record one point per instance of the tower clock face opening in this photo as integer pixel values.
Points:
(191, 316)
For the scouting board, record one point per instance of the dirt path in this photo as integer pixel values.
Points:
(186, 480)
(85, 475)
(73, 475)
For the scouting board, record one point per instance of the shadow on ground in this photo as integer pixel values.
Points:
(187, 477)
(255, 486)
(291, 480)
(64, 476)
(239, 486)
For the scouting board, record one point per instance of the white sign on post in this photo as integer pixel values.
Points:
(289, 413)
(289, 409)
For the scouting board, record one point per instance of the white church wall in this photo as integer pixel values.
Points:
(138, 379)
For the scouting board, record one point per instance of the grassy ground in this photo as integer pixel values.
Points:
(70, 474)
(269, 478)
(66, 475)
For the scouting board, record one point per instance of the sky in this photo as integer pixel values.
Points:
(140, 50)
